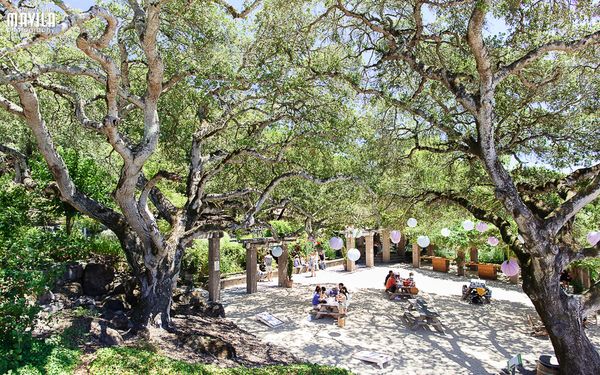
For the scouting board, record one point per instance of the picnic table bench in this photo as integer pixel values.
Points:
(331, 308)
(419, 315)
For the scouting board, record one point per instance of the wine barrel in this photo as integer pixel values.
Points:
(547, 365)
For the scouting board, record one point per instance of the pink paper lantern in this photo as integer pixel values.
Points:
(336, 243)
(593, 238)
(493, 241)
(481, 227)
(395, 236)
(510, 267)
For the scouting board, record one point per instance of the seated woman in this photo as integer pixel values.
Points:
(342, 299)
(316, 297)
(391, 284)
(323, 295)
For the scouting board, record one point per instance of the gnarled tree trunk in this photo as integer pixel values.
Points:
(561, 316)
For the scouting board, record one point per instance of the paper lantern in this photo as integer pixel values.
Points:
(468, 225)
(510, 267)
(357, 233)
(412, 222)
(520, 239)
(336, 243)
(445, 232)
(593, 238)
(481, 227)
(423, 241)
(277, 251)
(353, 254)
(395, 236)
(493, 241)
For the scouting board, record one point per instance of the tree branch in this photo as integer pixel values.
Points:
(572, 206)
(534, 54)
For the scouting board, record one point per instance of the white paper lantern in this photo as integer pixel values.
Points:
(481, 227)
(423, 241)
(510, 267)
(445, 232)
(336, 243)
(520, 239)
(277, 251)
(395, 236)
(412, 222)
(493, 241)
(353, 254)
(468, 225)
(593, 238)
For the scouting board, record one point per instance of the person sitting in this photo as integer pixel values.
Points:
(390, 274)
(260, 273)
(391, 284)
(316, 297)
(342, 299)
(333, 292)
(323, 295)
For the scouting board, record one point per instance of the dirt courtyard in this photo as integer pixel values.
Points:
(477, 340)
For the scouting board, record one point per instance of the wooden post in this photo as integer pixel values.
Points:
(214, 267)
(473, 254)
(251, 269)
(401, 247)
(282, 266)
(416, 254)
(385, 243)
(350, 265)
(586, 281)
(369, 256)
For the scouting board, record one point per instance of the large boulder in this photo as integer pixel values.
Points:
(105, 334)
(73, 273)
(121, 321)
(97, 279)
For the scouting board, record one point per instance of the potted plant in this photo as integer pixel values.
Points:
(487, 271)
(290, 271)
(440, 264)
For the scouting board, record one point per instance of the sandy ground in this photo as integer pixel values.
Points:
(478, 339)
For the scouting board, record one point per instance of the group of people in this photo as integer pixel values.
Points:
(340, 293)
(394, 282)
(313, 262)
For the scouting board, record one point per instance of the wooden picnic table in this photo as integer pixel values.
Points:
(331, 308)
(419, 315)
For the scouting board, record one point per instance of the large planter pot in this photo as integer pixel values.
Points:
(440, 264)
(289, 283)
(487, 271)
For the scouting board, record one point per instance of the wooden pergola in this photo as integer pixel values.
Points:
(251, 245)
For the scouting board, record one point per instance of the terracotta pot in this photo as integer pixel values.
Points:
(487, 271)
(289, 283)
(440, 264)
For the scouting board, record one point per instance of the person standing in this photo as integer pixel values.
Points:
(268, 261)
(321, 259)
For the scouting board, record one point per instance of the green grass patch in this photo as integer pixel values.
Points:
(133, 361)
